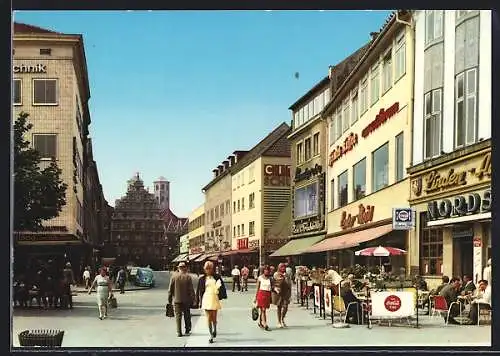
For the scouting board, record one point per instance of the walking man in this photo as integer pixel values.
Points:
(244, 278)
(181, 292)
(121, 277)
(86, 278)
(235, 273)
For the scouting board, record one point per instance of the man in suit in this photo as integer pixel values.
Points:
(181, 291)
(468, 286)
(446, 281)
(450, 293)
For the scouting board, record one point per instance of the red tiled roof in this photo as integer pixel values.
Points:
(25, 28)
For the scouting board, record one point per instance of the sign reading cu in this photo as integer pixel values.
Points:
(392, 303)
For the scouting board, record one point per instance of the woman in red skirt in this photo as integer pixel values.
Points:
(263, 297)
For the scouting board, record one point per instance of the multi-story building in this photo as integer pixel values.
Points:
(369, 124)
(218, 206)
(51, 84)
(309, 162)
(196, 233)
(137, 228)
(451, 153)
(260, 191)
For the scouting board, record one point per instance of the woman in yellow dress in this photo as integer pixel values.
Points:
(211, 288)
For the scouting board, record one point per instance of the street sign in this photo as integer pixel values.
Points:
(403, 219)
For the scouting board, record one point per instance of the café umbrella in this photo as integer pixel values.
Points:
(380, 251)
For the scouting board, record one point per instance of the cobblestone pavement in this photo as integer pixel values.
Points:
(139, 321)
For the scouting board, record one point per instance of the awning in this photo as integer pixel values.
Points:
(193, 256)
(238, 252)
(200, 258)
(350, 239)
(213, 258)
(297, 246)
(180, 258)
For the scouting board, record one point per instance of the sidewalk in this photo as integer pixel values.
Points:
(82, 289)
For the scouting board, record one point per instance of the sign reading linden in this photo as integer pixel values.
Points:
(23, 68)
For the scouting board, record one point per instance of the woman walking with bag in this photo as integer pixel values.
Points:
(283, 290)
(211, 289)
(104, 292)
(263, 296)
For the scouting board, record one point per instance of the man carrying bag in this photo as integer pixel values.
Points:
(181, 292)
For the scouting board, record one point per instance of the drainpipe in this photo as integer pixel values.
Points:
(411, 25)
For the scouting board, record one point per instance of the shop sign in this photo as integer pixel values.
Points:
(442, 180)
(194, 250)
(380, 119)
(254, 244)
(339, 151)
(460, 205)
(23, 68)
(44, 238)
(274, 244)
(313, 224)
(277, 175)
(307, 173)
(365, 215)
(242, 244)
(403, 219)
(477, 242)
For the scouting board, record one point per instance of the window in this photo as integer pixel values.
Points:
(359, 172)
(431, 248)
(307, 149)
(251, 228)
(239, 205)
(17, 92)
(346, 116)
(243, 178)
(221, 210)
(44, 92)
(251, 201)
(212, 215)
(387, 72)
(400, 157)
(333, 135)
(354, 110)
(299, 153)
(380, 171)
(432, 128)
(296, 119)
(243, 229)
(228, 207)
(45, 51)
(234, 231)
(306, 201)
(375, 84)
(332, 194)
(338, 121)
(316, 144)
(234, 206)
(342, 189)
(400, 57)
(216, 212)
(46, 145)
(251, 174)
(239, 230)
(242, 203)
(433, 25)
(363, 93)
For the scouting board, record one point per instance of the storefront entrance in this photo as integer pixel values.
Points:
(463, 251)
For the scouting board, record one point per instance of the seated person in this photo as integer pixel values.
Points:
(420, 283)
(482, 302)
(468, 286)
(450, 293)
(446, 281)
(348, 296)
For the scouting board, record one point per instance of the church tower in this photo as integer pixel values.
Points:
(162, 192)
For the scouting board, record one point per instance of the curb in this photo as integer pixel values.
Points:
(79, 291)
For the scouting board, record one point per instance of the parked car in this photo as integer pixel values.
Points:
(144, 277)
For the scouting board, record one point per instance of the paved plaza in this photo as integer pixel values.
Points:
(139, 321)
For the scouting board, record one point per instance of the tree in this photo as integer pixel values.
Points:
(39, 194)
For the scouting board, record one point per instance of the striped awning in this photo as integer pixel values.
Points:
(180, 258)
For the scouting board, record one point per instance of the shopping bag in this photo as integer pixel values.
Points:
(255, 313)
(169, 311)
(112, 302)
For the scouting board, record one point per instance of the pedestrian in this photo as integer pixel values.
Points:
(86, 278)
(104, 292)
(181, 292)
(487, 272)
(283, 289)
(235, 274)
(69, 279)
(482, 302)
(263, 296)
(244, 278)
(121, 277)
(212, 290)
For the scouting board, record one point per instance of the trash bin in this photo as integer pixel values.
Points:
(42, 338)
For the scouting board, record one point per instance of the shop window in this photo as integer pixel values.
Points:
(431, 248)
(380, 161)
(306, 201)
(359, 172)
(342, 189)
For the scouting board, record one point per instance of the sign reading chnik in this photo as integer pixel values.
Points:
(23, 68)
(403, 219)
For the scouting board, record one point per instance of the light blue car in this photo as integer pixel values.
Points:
(144, 277)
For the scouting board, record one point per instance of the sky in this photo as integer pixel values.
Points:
(173, 93)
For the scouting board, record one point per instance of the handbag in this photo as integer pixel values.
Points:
(112, 302)
(169, 311)
(255, 313)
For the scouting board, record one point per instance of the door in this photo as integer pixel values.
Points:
(466, 256)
